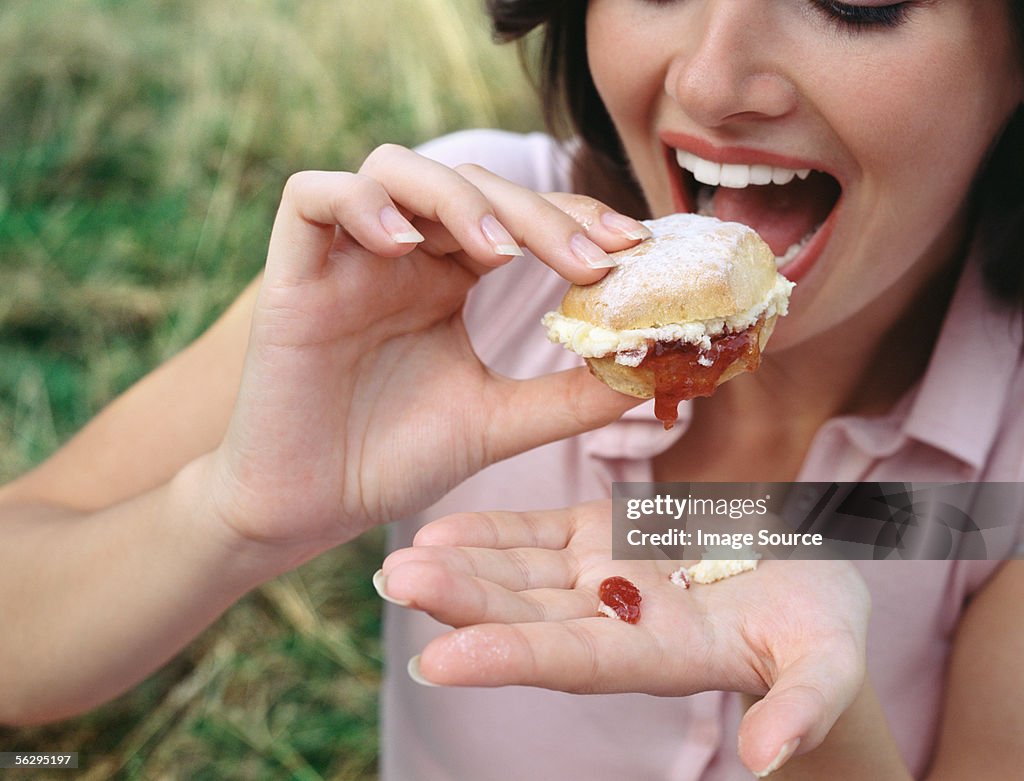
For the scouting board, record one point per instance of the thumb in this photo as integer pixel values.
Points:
(556, 406)
(798, 712)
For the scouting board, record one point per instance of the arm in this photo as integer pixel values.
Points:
(275, 436)
(982, 735)
(95, 601)
(109, 566)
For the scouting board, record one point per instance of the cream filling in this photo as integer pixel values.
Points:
(630, 345)
(713, 570)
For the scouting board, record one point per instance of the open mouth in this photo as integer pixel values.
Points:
(791, 208)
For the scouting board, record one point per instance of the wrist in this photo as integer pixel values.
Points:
(198, 491)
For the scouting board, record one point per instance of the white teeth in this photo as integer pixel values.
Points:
(736, 175)
(760, 174)
(706, 172)
(795, 249)
(782, 175)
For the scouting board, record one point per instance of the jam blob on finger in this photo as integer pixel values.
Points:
(619, 598)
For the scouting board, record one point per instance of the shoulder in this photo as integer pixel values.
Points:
(534, 160)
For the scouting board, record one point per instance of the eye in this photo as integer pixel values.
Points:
(858, 17)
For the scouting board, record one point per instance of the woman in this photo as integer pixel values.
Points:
(888, 367)
(357, 398)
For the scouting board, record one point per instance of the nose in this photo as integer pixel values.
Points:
(726, 68)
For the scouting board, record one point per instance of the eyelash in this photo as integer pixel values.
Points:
(860, 17)
(853, 18)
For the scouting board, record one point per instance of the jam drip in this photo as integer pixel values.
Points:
(622, 597)
(680, 372)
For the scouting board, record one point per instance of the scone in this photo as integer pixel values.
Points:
(681, 313)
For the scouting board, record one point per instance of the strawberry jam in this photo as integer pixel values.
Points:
(684, 371)
(622, 597)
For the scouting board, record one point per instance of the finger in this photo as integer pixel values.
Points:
(607, 226)
(314, 203)
(586, 655)
(573, 234)
(458, 599)
(533, 529)
(438, 193)
(439, 242)
(799, 709)
(541, 213)
(490, 217)
(516, 569)
(545, 409)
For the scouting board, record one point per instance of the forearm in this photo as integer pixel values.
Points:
(859, 746)
(94, 602)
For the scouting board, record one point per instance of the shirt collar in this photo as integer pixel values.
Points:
(960, 401)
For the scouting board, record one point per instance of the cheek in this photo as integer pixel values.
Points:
(919, 119)
(619, 66)
(604, 44)
(626, 65)
(631, 96)
(916, 141)
(917, 136)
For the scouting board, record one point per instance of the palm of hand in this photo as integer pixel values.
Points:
(346, 373)
(523, 590)
(737, 634)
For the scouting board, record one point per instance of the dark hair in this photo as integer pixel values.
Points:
(571, 104)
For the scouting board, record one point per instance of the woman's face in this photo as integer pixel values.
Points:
(890, 107)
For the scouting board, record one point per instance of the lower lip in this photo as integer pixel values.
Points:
(798, 267)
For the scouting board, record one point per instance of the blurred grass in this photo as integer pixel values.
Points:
(143, 146)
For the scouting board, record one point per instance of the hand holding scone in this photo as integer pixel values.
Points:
(362, 400)
(682, 312)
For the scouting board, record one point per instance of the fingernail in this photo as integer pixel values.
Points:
(781, 758)
(380, 582)
(500, 239)
(588, 252)
(414, 672)
(398, 228)
(626, 226)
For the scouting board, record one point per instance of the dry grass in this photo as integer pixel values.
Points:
(144, 145)
(142, 149)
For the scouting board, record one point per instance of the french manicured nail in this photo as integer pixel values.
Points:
(781, 758)
(414, 673)
(625, 226)
(380, 582)
(398, 228)
(501, 240)
(588, 252)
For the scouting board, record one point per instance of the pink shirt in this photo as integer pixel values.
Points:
(962, 422)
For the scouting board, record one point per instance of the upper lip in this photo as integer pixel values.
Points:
(740, 155)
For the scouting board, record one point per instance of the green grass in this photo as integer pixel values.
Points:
(143, 147)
